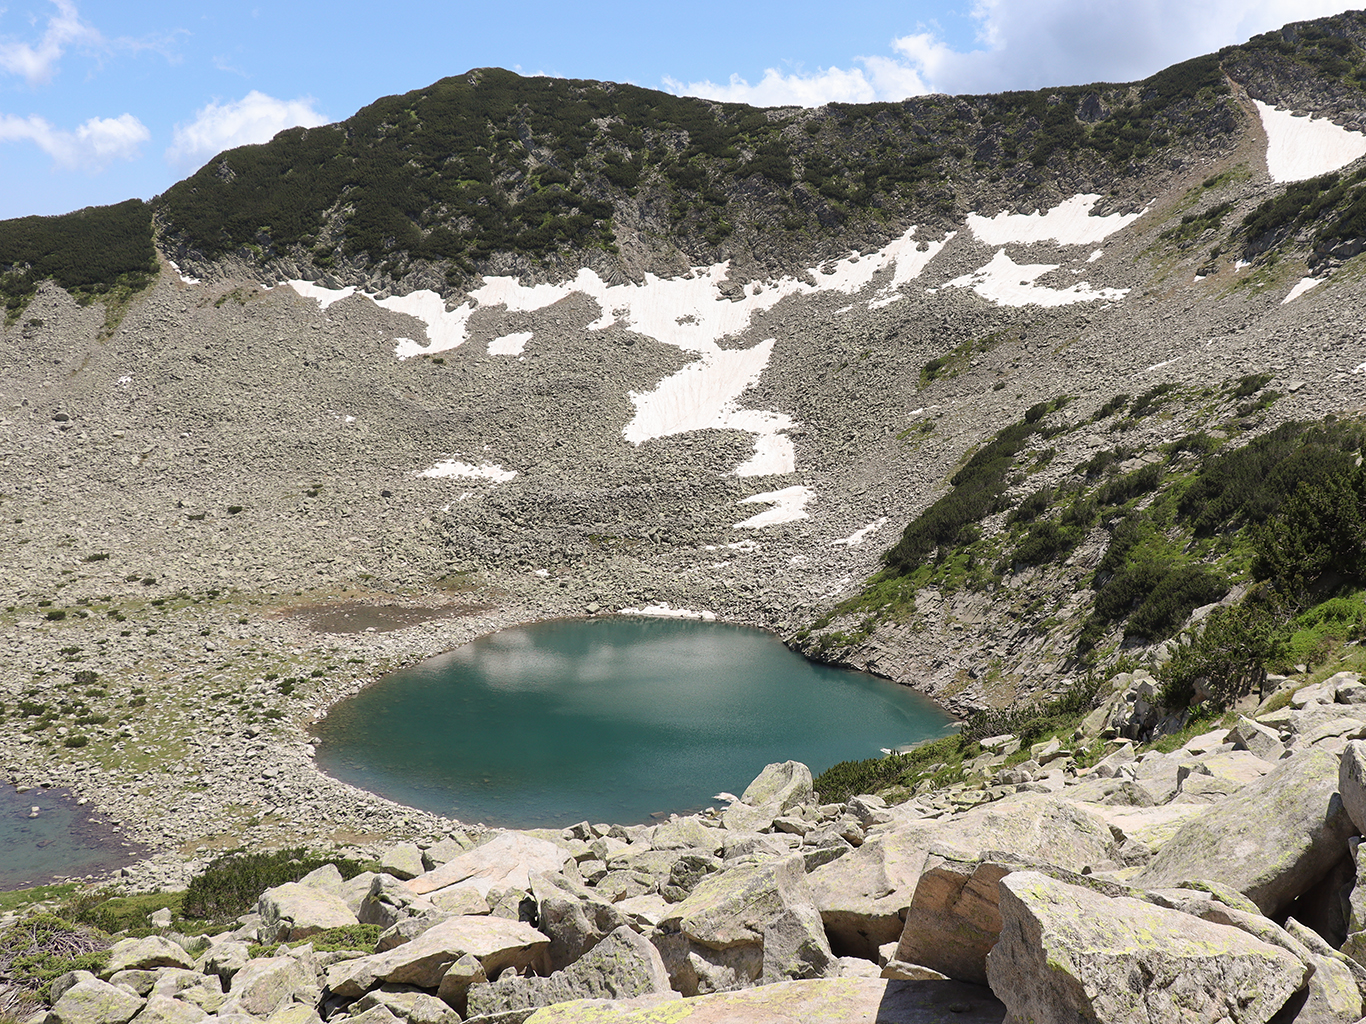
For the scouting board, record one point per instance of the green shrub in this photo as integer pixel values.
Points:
(1227, 658)
(35, 951)
(230, 885)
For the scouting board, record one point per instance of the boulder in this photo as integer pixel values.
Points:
(91, 1001)
(407, 1003)
(783, 786)
(495, 942)
(295, 911)
(749, 924)
(1272, 841)
(574, 920)
(1352, 783)
(863, 896)
(409, 928)
(825, 1000)
(506, 861)
(1257, 739)
(390, 901)
(203, 990)
(264, 985)
(687, 834)
(623, 965)
(1037, 827)
(224, 959)
(444, 851)
(953, 919)
(402, 860)
(145, 954)
(1069, 954)
(166, 1010)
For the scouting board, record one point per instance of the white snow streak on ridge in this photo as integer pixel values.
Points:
(1008, 283)
(859, 536)
(1068, 223)
(323, 296)
(469, 471)
(663, 611)
(789, 505)
(509, 344)
(1305, 147)
(1305, 284)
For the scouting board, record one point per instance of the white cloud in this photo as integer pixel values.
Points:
(1028, 46)
(37, 63)
(254, 118)
(90, 147)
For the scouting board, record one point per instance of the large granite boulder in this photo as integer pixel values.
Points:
(407, 1003)
(751, 924)
(265, 985)
(863, 895)
(783, 786)
(953, 920)
(495, 942)
(1352, 783)
(623, 965)
(1069, 954)
(1035, 826)
(87, 1000)
(145, 954)
(168, 1010)
(574, 918)
(1272, 841)
(294, 911)
(820, 1001)
(390, 901)
(506, 862)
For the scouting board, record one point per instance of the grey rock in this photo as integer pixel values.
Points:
(294, 911)
(91, 1001)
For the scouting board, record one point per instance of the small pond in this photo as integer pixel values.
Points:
(65, 839)
(608, 720)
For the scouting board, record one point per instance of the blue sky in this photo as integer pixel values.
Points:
(103, 101)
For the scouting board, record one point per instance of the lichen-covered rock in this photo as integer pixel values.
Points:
(495, 941)
(294, 911)
(145, 954)
(1069, 954)
(863, 896)
(1352, 783)
(91, 1001)
(1272, 841)
(782, 786)
(622, 966)
(749, 924)
(575, 919)
(953, 919)
(168, 1010)
(1035, 826)
(402, 860)
(390, 901)
(264, 985)
(408, 1003)
(820, 1001)
(506, 861)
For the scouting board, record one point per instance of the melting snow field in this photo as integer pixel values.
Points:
(1068, 223)
(509, 344)
(663, 611)
(469, 471)
(1299, 147)
(1008, 283)
(789, 505)
(1304, 285)
(859, 536)
(691, 313)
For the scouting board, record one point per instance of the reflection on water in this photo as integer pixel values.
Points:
(64, 840)
(608, 720)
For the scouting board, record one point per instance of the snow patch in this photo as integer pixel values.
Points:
(1095, 256)
(1304, 285)
(470, 471)
(1007, 283)
(1299, 147)
(1158, 366)
(324, 297)
(184, 277)
(509, 344)
(1068, 223)
(663, 611)
(789, 505)
(858, 536)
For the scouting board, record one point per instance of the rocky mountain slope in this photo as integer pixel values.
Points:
(507, 348)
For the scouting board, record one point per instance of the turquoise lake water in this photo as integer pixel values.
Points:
(65, 839)
(608, 720)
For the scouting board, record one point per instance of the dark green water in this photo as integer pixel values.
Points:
(65, 839)
(608, 720)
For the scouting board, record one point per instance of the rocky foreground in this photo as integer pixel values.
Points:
(1216, 882)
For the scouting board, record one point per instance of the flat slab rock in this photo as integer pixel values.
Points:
(820, 1001)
